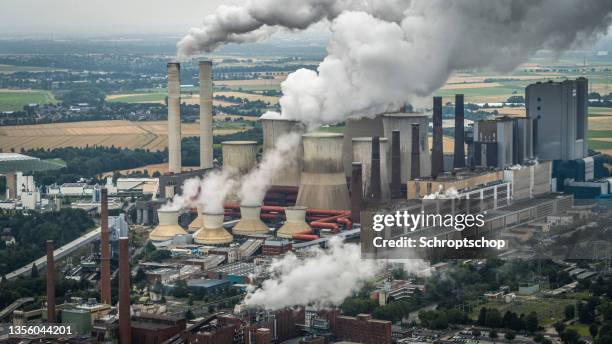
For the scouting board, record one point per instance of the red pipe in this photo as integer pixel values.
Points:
(306, 235)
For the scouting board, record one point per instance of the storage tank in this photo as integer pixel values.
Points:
(240, 155)
(273, 131)
(168, 225)
(362, 152)
(250, 222)
(323, 182)
(403, 122)
(296, 222)
(212, 231)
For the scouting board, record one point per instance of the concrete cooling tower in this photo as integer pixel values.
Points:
(296, 222)
(240, 155)
(212, 231)
(323, 182)
(250, 222)
(362, 152)
(196, 224)
(168, 226)
(273, 131)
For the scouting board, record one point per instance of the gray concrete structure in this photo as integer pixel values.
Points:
(323, 182)
(363, 127)
(273, 132)
(494, 142)
(561, 109)
(240, 155)
(403, 122)
(174, 117)
(206, 119)
(362, 152)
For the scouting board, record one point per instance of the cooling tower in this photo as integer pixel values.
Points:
(196, 224)
(363, 127)
(323, 182)
(250, 222)
(402, 122)
(174, 117)
(362, 152)
(168, 226)
(437, 150)
(273, 131)
(296, 222)
(212, 231)
(206, 119)
(240, 155)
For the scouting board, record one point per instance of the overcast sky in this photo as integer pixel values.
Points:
(96, 17)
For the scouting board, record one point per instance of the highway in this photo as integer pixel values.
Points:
(59, 253)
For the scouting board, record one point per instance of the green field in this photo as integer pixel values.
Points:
(140, 98)
(7, 69)
(549, 310)
(600, 145)
(600, 134)
(600, 111)
(14, 100)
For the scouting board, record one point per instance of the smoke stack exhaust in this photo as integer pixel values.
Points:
(375, 184)
(459, 152)
(437, 154)
(105, 276)
(174, 117)
(125, 326)
(356, 192)
(396, 166)
(206, 119)
(415, 155)
(50, 283)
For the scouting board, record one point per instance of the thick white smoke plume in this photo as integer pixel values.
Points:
(384, 53)
(209, 192)
(254, 185)
(324, 279)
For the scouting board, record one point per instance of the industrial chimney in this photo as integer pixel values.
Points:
(273, 132)
(356, 191)
(296, 222)
(323, 183)
(375, 189)
(396, 166)
(50, 283)
(459, 152)
(212, 231)
(437, 153)
(402, 122)
(168, 225)
(174, 117)
(250, 222)
(206, 119)
(125, 320)
(363, 153)
(240, 155)
(105, 279)
(415, 153)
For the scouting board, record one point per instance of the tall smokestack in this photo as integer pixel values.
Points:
(396, 165)
(105, 279)
(206, 120)
(375, 191)
(174, 117)
(459, 152)
(356, 192)
(437, 154)
(415, 153)
(50, 283)
(125, 326)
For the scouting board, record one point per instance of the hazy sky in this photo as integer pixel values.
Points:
(95, 17)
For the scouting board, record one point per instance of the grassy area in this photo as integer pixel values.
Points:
(549, 310)
(582, 329)
(14, 100)
(600, 133)
(596, 144)
(7, 69)
(139, 98)
(600, 111)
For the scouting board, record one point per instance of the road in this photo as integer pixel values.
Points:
(59, 253)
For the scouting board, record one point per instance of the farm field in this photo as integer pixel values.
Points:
(186, 97)
(14, 100)
(549, 310)
(146, 135)
(161, 168)
(8, 69)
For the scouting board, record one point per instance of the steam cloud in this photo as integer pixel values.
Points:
(384, 53)
(255, 184)
(209, 192)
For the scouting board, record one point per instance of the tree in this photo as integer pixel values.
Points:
(531, 322)
(510, 335)
(189, 315)
(492, 334)
(559, 327)
(482, 317)
(593, 329)
(570, 312)
(34, 273)
(569, 336)
(494, 318)
(180, 289)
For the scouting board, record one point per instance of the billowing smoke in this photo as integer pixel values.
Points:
(325, 278)
(384, 53)
(209, 192)
(254, 185)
